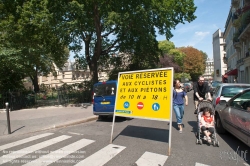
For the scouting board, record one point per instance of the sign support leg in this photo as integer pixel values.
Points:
(113, 124)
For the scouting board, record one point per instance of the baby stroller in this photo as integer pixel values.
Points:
(200, 135)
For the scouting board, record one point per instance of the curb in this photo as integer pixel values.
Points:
(89, 119)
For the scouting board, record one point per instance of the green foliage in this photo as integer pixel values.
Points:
(212, 74)
(179, 76)
(27, 28)
(42, 30)
(166, 46)
(107, 27)
(178, 56)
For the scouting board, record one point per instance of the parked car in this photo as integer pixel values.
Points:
(234, 116)
(187, 87)
(226, 91)
(213, 86)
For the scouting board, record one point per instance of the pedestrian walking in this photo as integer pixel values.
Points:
(201, 92)
(178, 103)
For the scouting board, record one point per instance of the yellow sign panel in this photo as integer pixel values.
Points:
(145, 94)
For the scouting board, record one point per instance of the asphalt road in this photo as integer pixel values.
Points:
(131, 139)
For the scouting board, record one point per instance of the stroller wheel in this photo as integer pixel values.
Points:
(200, 142)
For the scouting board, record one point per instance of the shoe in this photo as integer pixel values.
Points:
(205, 138)
(180, 131)
(209, 140)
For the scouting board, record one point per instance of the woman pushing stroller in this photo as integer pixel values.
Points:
(207, 123)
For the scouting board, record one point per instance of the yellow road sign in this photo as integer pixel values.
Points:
(145, 94)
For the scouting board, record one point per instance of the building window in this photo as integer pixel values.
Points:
(217, 73)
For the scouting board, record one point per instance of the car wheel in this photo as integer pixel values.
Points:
(219, 127)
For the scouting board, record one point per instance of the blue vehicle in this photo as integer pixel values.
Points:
(104, 94)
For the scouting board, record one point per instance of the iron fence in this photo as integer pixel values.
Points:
(23, 99)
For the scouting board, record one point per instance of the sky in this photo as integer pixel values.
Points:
(211, 16)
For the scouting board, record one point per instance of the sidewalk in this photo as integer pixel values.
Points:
(32, 120)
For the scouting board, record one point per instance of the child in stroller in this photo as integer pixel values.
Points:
(207, 123)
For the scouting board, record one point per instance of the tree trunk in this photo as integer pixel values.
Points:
(94, 71)
(35, 82)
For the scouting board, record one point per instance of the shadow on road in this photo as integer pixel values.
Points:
(18, 129)
(155, 134)
(110, 119)
(193, 124)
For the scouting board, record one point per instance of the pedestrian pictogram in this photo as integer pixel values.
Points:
(126, 104)
(140, 105)
(155, 106)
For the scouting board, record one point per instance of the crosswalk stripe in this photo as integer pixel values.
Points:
(199, 164)
(102, 156)
(16, 154)
(58, 154)
(151, 159)
(10, 145)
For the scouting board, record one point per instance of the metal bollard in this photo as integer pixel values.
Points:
(8, 117)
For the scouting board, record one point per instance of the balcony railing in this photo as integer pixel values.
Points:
(240, 61)
(247, 54)
(236, 43)
(225, 60)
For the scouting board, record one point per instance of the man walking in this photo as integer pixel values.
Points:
(201, 89)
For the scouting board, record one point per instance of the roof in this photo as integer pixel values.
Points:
(241, 84)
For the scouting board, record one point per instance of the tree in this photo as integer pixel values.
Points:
(193, 62)
(179, 76)
(204, 56)
(167, 61)
(172, 58)
(10, 71)
(27, 26)
(165, 46)
(107, 27)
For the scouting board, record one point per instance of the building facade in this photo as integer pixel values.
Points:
(71, 73)
(209, 69)
(218, 53)
(238, 42)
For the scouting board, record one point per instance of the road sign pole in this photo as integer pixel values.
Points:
(112, 130)
(170, 122)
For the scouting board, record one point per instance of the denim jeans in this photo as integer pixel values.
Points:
(179, 112)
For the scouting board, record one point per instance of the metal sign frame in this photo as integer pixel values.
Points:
(171, 102)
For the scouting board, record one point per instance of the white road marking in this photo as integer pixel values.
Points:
(151, 159)
(10, 145)
(60, 153)
(16, 154)
(75, 133)
(199, 164)
(102, 156)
